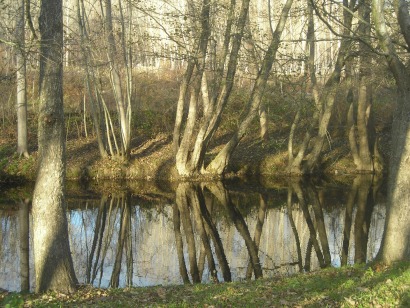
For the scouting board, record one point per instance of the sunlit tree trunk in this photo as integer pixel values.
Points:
(123, 106)
(307, 159)
(95, 108)
(52, 257)
(221, 161)
(362, 134)
(21, 83)
(199, 131)
(396, 239)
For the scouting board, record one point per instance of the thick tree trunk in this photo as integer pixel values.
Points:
(396, 240)
(52, 257)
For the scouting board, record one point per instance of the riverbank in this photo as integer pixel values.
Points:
(358, 286)
(151, 158)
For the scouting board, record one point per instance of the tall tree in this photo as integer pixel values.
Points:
(361, 129)
(221, 161)
(396, 240)
(21, 82)
(52, 257)
(306, 159)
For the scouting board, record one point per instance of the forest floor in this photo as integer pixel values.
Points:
(358, 286)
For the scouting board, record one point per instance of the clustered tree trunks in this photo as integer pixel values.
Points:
(52, 257)
(190, 149)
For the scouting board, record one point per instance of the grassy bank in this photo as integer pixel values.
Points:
(358, 286)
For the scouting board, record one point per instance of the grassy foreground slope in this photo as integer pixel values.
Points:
(358, 286)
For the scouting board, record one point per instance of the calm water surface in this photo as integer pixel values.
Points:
(144, 234)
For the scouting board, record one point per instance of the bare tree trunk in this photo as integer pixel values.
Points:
(95, 108)
(52, 257)
(21, 83)
(220, 162)
(191, 152)
(363, 215)
(122, 106)
(395, 244)
(308, 157)
(362, 137)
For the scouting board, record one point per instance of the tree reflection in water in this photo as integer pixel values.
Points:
(204, 232)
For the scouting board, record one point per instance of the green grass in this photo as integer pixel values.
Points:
(357, 286)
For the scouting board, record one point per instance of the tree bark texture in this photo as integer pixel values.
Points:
(52, 257)
(396, 239)
(22, 149)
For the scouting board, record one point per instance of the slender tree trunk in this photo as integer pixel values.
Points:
(122, 106)
(95, 108)
(22, 149)
(52, 257)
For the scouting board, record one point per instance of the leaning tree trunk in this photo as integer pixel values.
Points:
(396, 240)
(221, 161)
(21, 84)
(308, 156)
(199, 128)
(52, 257)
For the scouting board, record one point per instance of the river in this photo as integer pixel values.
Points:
(146, 233)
